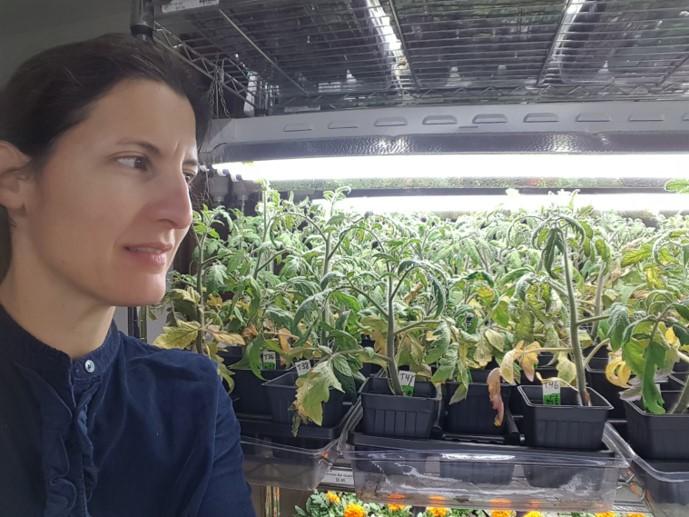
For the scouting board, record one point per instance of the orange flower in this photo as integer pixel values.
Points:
(533, 514)
(437, 512)
(354, 510)
(501, 513)
(606, 514)
(397, 507)
(635, 515)
(332, 497)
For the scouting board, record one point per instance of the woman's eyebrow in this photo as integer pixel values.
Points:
(154, 150)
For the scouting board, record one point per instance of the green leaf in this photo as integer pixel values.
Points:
(635, 256)
(313, 389)
(682, 309)
(514, 274)
(679, 186)
(654, 358)
(501, 314)
(446, 364)
(618, 321)
(480, 275)
(439, 346)
(281, 317)
(347, 300)
(602, 249)
(341, 365)
(181, 336)
(681, 333)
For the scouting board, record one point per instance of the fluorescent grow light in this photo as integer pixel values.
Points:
(463, 165)
(653, 203)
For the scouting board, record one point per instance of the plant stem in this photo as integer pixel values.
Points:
(583, 395)
(392, 366)
(415, 324)
(200, 309)
(598, 300)
(595, 350)
(682, 402)
(592, 319)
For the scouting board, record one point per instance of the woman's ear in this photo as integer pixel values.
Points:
(13, 176)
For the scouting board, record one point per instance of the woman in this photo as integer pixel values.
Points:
(98, 145)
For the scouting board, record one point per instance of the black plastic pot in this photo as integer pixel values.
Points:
(282, 391)
(385, 414)
(474, 414)
(658, 437)
(568, 426)
(251, 395)
(477, 473)
(231, 354)
(595, 376)
(540, 477)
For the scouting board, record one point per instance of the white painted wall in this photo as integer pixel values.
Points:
(29, 26)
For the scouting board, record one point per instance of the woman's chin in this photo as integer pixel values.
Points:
(138, 295)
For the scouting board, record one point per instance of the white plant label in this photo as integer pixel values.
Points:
(268, 360)
(407, 380)
(302, 367)
(551, 393)
(184, 5)
(339, 477)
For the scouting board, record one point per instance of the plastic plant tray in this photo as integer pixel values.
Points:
(264, 426)
(298, 464)
(454, 473)
(664, 484)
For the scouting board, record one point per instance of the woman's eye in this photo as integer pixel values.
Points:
(134, 162)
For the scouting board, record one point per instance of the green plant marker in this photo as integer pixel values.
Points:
(407, 380)
(551, 393)
(302, 367)
(268, 360)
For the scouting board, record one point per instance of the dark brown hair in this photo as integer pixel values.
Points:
(52, 91)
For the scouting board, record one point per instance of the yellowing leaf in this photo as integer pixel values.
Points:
(495, 338)
(313, 389)
(529, 359)
(226, 338)
(214, 301)
(671, 338)
(181, 336)
(284, 336)
(618, 373)
(566, 369)
(495, 395)
(507, 365)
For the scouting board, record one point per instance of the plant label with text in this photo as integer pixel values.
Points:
(551, 393)
(302, 367)
(407, 380)
(268, 360)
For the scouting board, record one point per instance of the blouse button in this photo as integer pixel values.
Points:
(90, 366)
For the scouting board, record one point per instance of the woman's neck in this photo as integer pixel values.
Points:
(62, 318)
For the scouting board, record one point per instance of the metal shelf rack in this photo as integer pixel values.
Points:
(286, 56)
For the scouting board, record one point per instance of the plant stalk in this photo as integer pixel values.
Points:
(391, 338)
(200, 309)
(583, 395)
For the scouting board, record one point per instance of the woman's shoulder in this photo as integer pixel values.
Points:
(174, 363)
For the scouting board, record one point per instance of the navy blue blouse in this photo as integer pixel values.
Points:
(128, 430)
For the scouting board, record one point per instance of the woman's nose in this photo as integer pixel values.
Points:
(173, 204)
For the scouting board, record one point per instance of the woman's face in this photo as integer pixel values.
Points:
(110, 207)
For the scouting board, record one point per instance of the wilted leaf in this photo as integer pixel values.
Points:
(529, 359)
(495, 395)
(618, 373)
(507, 363)
(566, 370)
(496, 339)
(226, 338)
(180, 336)
(313, 389)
